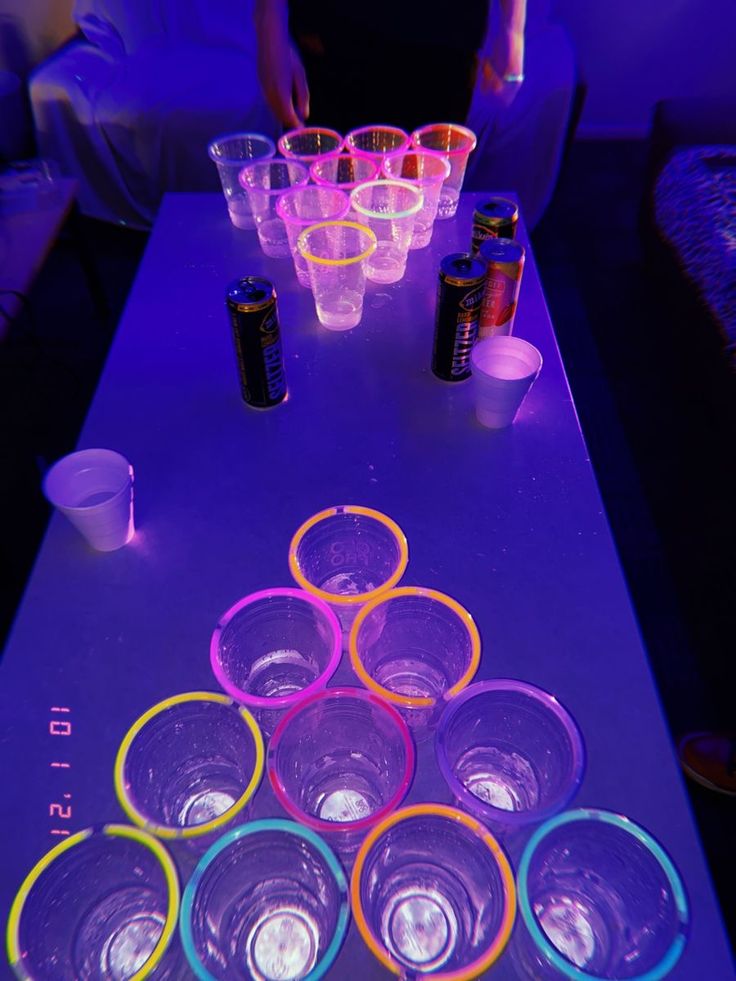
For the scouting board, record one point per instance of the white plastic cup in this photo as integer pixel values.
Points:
(94, 489)
(504, 369)
(265, 182)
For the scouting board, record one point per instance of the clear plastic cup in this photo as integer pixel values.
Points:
(189, 766)
(343, 170)
(417, 648)
(94, 490)
(389, 208)
(339, 762)
(510, 753)
(336, 254)
(347, 556)
(265, 182)
(103, 903)
(455, 143)
(376, 141)
(273, 648)
(301, 207)
(230, 154)
(427, 171)
(599, 898)
(268, 901)
(432, 893)
(504, 368)
(309, 143)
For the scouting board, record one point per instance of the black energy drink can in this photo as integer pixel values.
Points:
(504, 259)
(495, 218)
(459, 296)
(251, 304)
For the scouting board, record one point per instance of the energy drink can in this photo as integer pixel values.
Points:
(496, 218)
(251, 303)
(459, 295)
(504, 260)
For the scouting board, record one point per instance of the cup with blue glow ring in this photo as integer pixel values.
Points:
(417, 648)
(189, 767)
(599, 898)
(432, 894)
(103, 903)
(269, 900)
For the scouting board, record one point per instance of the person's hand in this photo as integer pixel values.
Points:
(504, 66)
(280, 68)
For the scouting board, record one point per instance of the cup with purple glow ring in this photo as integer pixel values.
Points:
(309, 143)
(343, 170)
(274, 648)
(301, 207)
(510, 753)
(455, 143)
(376, 141)
(264, 183)
(427, 171)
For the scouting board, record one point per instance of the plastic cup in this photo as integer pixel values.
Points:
(274, 648)
(340, 762)
(189, 766)
(389, 208)
(301, 207)
(94, 490)
(102, 904)
(336, 254)
(504, 368)
(427, 171)
(510, 753)
(268, 901)
(265, 182)
(347, 556)
(230, 154)
(376, 141)
(432, 893)
(455, 143)
(309, 143)
(599, 898)
(417, 648)
(343, 170)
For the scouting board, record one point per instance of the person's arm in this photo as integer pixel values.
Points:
(280, 69)
(503, 65)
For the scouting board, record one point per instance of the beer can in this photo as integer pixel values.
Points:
(504, 260)
(459, 295)
(251, 303)
(495, 218)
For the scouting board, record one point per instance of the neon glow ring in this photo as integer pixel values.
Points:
(658, 853)
(347, 186)
(170, 832)
(340, 599)
(279, 701)
(254, 827)
(347, 827)
(15, 955)
(376, 947)
(283, 143)
(349, 260)
(414, 701)
(387, 215)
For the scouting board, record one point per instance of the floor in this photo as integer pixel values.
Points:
(659, 458)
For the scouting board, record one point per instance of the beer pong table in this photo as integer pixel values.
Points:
(510, 523)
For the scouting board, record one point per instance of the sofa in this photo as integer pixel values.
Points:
(128, 105)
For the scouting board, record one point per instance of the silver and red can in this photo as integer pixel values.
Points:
(251, 304)
(495, 218)
(504, 259)
(459, 295)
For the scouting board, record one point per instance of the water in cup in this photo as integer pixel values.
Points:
(340, 310)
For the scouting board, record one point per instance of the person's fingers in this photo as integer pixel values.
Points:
(300, 87)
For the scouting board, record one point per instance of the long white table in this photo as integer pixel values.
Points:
(510, 523)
